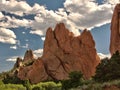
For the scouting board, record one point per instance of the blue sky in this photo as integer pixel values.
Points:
(23, 24)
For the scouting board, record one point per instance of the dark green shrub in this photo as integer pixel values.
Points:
(27, 85)
(108, 69)
(74, 81)
(12, 79)
(36, 88)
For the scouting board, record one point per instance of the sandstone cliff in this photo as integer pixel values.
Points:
(115, 30)
(62, 54)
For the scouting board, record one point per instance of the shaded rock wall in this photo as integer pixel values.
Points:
(115, 31)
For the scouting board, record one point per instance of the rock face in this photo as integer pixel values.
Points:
(115, 30)
(62, 54)
(18, 62)
(28, 55)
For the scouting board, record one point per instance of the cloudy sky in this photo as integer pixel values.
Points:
(23, 24)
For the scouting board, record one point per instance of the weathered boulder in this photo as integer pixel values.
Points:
(62, 54)
(115, 31)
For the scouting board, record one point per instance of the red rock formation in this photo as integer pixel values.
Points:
(18, 62)
(28, 55)
(115, 30)
(62, 54)
(35, 73)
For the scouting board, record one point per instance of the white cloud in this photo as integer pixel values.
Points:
(12, 22)
(102, 56)
(23, 33)
(13, 47)
(12, 59)
(76, 14)
(43, 38)
(7, 36)
(37, 32)
(88, 14)
(82, 14)
(1, 15)
(25, 46)
(15, 7)
(38, 53)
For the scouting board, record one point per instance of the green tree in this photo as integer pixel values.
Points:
(74, 81)
(108, 69)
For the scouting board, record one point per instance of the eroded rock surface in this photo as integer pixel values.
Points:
(115, 30)
(28, 55)
(62, 54)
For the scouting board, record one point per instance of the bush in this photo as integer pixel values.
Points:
(12, 79)
(36, 88)
(74, 81)
(27, 84)
(108, 69)
(47, 86)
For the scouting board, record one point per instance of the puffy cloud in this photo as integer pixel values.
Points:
(87, 13)
(38, 53)
(15, 7)
(12, 22)
(102, 56)
(7, 36)
(76, 14)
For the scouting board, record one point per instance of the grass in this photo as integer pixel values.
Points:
(57, 86)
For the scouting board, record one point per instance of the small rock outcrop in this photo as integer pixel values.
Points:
(62, 54)
(28, 55)
(115, 31)
(18, 62)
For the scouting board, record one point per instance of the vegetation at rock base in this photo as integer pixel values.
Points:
(107, 76)
(74, 81)
(108, 69)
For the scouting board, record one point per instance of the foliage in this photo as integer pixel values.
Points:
(108, 69)
(36, 88)
(12, 79)
(11, 87)
(47, 86)
(27, 85)
(74, 81)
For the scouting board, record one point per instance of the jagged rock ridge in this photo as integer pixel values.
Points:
(115, 30)
(62, 54)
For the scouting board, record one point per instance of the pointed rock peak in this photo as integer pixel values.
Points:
(49, 30)
(18, 61)
(60, 25)
(86, 32)
(87, 38)
(60, 28)
(28, 55)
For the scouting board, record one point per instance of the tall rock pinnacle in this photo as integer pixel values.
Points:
(115, 30)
